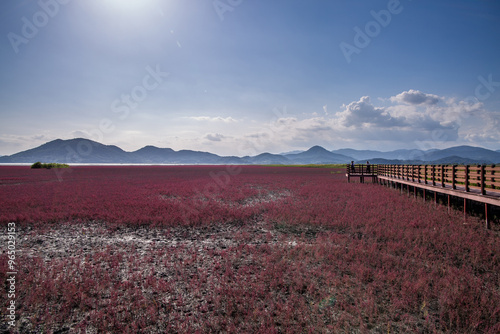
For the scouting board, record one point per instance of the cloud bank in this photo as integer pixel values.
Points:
(410, 119)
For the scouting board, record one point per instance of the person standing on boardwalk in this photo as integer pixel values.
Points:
(352, 167)
(368, 166)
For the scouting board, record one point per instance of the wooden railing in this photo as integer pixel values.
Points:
(483, 179)
(362, 169)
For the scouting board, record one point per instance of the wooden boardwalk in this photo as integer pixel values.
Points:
(476, 183)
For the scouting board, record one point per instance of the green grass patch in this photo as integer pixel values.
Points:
(39, 165)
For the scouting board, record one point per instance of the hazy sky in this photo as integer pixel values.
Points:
(242, 77)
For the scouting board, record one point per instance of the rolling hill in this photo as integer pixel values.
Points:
(81, 150)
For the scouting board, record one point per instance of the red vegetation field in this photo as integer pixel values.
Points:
(210, 249)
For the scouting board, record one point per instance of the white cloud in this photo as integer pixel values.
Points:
(10, 144)
(80, 134)
(364, 113)
(215, 137)
(415, 97)
(213, 119)
(489, 134)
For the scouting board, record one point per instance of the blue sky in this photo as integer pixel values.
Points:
(241, 77)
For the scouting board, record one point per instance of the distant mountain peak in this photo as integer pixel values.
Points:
(317, 148)
(149, 148)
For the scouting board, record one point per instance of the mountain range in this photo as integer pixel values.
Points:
(81, 150)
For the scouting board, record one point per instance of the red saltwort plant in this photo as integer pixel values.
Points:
(266, 249)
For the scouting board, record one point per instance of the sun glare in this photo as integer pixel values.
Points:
(130, 6)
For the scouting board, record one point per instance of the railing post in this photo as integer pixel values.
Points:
(418, 172)
(493, 176)
(433, 175)
(453, 177)
(467, 178)
(483, 181)
(425, 174)
(442, 176)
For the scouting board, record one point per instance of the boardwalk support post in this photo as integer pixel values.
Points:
(465, 208)
(486, 216)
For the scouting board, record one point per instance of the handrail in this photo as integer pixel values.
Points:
(482, 178)
(362, 169)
